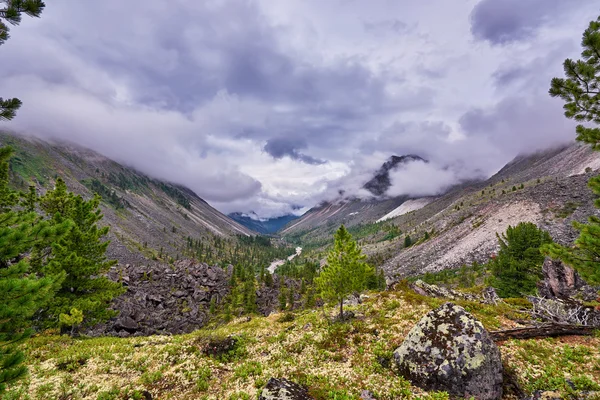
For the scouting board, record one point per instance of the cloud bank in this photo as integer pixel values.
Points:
(274, 106)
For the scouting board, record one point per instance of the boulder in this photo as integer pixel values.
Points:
(561, 282)
(367, 395)
(127, 324)
(449, 350)
(282, 389)
(425, 289)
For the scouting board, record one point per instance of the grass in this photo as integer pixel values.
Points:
(336, 361)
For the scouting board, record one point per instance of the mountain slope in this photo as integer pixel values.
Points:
(548, 188)
(266, 226)
(148, 217)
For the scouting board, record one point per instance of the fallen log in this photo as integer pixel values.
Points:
(548, 330)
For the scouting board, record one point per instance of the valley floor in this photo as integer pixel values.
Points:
(336, 361)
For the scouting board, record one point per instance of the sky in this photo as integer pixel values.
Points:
(275, 106)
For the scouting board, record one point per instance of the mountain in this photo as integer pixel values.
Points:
(263, 226)
(459, 227)
(381, 182)
(149, 218)
(320, 221)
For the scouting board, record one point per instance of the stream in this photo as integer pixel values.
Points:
(278, 263)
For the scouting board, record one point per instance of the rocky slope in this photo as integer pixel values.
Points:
(149, 218)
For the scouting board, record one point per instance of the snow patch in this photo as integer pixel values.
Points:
(406, 207)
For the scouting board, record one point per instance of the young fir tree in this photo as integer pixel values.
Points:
(11, 13)
(580, 89)
(345, 272)
(22, 293)
(80, 255)
(518, 265)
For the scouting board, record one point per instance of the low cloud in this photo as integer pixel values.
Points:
(419, 179)
(274, 106)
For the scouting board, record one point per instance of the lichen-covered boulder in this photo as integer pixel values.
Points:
(449, 350)
(282, 389)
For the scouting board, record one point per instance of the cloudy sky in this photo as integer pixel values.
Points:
(267, 105)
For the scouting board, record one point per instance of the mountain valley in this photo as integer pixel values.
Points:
(299, 200)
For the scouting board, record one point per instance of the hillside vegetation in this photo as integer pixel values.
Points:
(337, 361)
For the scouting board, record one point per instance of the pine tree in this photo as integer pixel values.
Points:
(407, 241)
(518, 265)
(581, 92)
(282, 295)
(11, 14)
(80, 254)
(22, 293)
(345, 272)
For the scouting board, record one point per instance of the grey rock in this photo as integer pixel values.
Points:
(562, 282)
(449, 350)
(367, 395)
(127, 324)
(490, 296)
(282, 389)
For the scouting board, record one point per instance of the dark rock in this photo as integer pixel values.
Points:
(562, 282)
(282, 389)
(179, 293)
(147, 395)
(153, 303)
(449, 350)
(126, 324)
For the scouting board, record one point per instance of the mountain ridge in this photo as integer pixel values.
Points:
(149, 218)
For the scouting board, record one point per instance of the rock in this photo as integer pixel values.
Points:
(164, 299)
(126, 324)
(367, 395)
(352, 300)
(282, 389)
(425, 289)
(490, 296)
(544, 395)
(347, 316)
(449, 350)
(561, 282)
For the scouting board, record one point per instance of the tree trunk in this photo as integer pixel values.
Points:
(342, 310)
(550, 330)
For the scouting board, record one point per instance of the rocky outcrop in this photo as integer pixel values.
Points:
(267, 297)
(449, 350)
(426, 289)
(165, 298)
(489, 295)
(563, 282)
(174, 299)
(282, 389)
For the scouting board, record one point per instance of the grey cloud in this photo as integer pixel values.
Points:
(395, 26)
(212, 94)
(280, 147)
(506, 21)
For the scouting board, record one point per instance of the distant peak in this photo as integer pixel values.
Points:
(381, 182)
